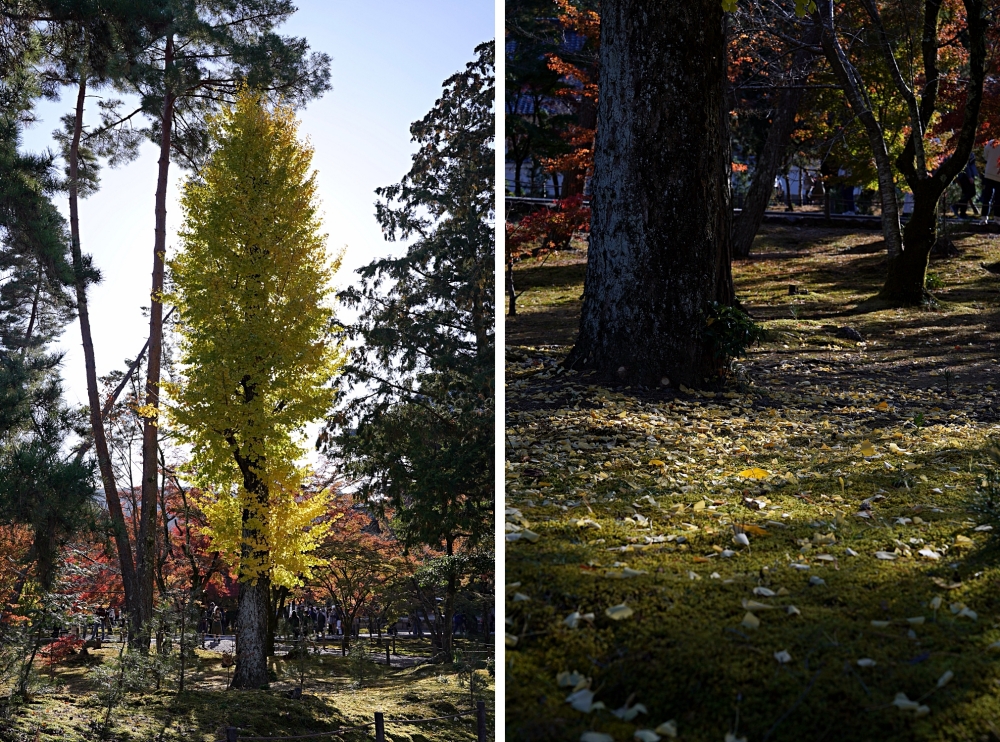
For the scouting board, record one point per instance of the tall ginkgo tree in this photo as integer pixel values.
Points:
(258, 352)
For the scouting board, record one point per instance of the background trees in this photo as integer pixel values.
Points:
(258, 353)
(917, 77)
(359, 563)
(420, 439)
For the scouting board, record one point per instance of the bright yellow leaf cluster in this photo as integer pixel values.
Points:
(258, 350)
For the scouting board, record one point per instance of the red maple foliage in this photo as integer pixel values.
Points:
(362, 561)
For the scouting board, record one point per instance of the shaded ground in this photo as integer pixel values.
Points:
(749, 602)
(335, 696)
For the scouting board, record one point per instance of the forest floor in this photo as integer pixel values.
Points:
(337, 694)
(808, 554)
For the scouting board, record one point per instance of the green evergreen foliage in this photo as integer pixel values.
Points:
(38, 487)
(420, 439)
(423, 436)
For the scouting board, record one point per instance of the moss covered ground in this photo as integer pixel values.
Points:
(807, 554)
(65, 708)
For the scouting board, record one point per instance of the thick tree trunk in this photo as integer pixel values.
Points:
(660, 231)
(146, 543)
(255, 588)
(746, 224)
(251, 635)
(119, 528)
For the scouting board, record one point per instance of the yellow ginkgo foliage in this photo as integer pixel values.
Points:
(290, 531)
(252, 284)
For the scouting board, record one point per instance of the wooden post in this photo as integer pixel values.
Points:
(231, 735)
(379, 727)
(481, 721)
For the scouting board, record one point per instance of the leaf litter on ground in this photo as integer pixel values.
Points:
(795, 463)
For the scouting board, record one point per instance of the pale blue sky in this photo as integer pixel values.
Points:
(389, 58)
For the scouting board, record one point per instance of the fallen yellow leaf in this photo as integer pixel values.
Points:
(754, 473)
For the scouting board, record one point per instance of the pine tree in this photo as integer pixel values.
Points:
(258, 351)
(420, 438)
(38, 487)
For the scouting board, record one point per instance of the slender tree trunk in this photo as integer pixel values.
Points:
(47, 550)
(850, 82)
(511, 293)
(904, 284)
(275, 606)
(146, 543)
(447, 633)
(661, 227)
(34, 314)
(119, 527)
(748, 221)
(517, 176)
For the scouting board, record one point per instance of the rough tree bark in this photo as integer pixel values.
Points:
(660, 231)
(253, 602)
(747, 222)
(119, 528)
(251, 635)
(252, 616)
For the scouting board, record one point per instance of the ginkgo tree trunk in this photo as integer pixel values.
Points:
(258, 353)
(660, 231)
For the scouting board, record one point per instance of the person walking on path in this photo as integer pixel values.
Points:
(967, 182)
(990, 194)
(217, 623)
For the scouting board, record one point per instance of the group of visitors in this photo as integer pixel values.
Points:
(105, 620)
(310, 621)
(215, 622)
(989, 192)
